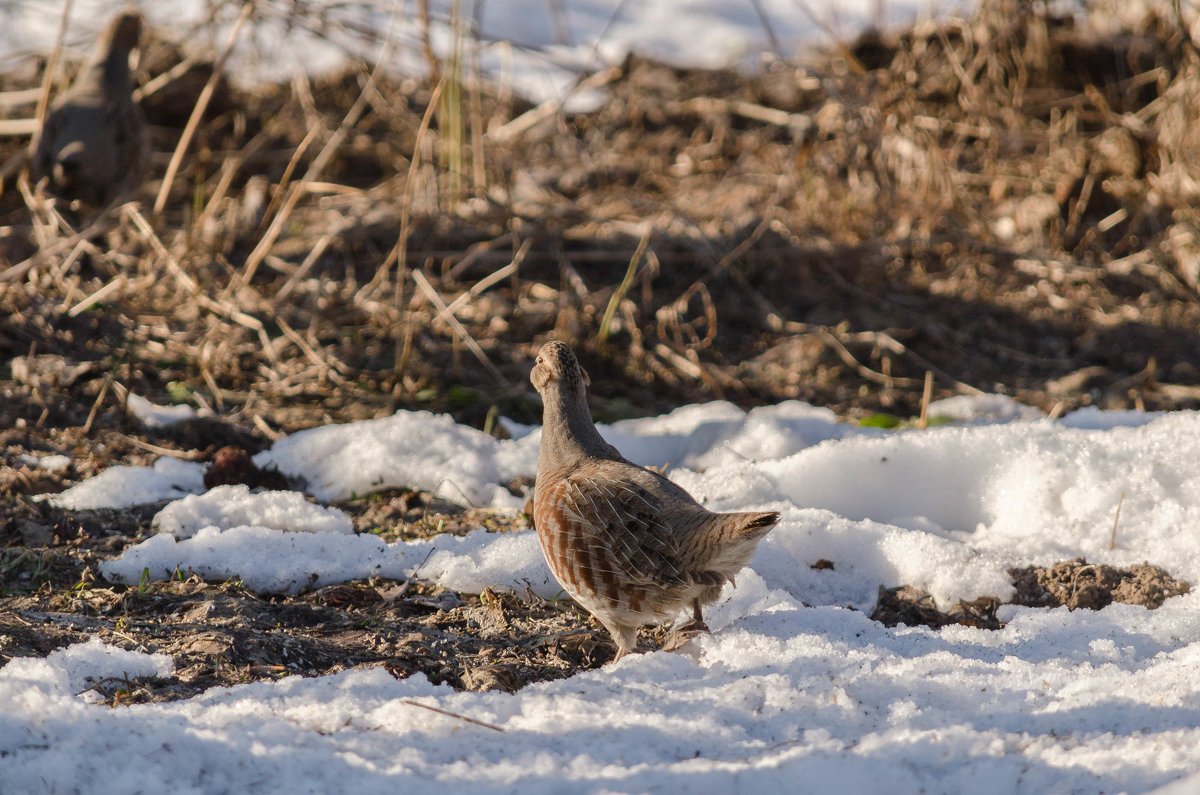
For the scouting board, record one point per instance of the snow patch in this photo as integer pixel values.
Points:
(224, 507)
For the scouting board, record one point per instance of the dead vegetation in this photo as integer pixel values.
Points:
(1007, 202)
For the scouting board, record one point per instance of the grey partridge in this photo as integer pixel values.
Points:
(92, 146)
(625, 542)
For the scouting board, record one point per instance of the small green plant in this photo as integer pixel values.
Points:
(892, 422)
(25, 565)
(463, 396)
(144, 581)
(179, 392)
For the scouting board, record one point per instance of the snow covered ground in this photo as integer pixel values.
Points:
(794, 691)
(538, 47)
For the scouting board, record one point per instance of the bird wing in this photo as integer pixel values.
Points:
(614, 512)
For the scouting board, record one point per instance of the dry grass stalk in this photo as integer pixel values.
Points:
(202, 101)
(486, 282)
(891, 382)
(315, 170)
(926, 397)
(328, 367)
(1112, 538)
(458, 327)
(399, 252)
(91, 417)
(450, 714)
(43, 101)
(477, 252)
(509, 132)
(21, 96)
(99, 295)
(161, 81)
(313, 255)
(619, 294)
(182, 455)
(270, 214)
(15, 128)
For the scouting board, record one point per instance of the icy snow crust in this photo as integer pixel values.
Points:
(792, 692)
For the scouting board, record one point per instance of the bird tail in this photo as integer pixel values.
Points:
(756, 525)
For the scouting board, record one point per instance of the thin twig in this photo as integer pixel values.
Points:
(547, 109)
(305, 266)
(91, 417)
(1112, 539)
(194, 455)
(489, 280)
(926, 396)
(450, 714)
(17, 128)
(860, 368)
(285, 181)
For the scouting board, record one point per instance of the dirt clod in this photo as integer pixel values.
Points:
(1079, 584)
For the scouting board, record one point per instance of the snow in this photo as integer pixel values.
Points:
(414, 449)
(795, 689)
(152, 415)
(947, 509)
(517, 40)
(53, 463)
(83, 665)
(230, 506)
(122, 486)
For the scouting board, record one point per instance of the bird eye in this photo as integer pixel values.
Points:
(539, 360)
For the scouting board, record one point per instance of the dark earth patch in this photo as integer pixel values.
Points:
(1074, 583)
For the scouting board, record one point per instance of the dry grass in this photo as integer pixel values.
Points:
(1006, 202)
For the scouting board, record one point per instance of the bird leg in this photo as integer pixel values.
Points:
(682, 633)
(624, 636)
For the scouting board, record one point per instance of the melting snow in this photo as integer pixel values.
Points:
(794, 690)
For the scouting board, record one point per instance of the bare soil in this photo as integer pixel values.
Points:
(1007, 204)
(1075, 584)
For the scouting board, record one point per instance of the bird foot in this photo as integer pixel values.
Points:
(682, 633)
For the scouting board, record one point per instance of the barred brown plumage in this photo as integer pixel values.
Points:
(625, 542)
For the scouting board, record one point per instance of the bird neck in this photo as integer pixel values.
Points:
(112, 71)
(568, 433)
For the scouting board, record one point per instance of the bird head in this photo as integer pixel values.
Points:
(557, 367)
(122, 34)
